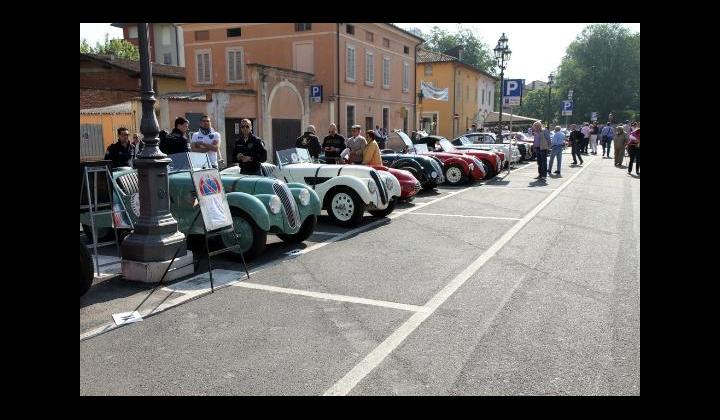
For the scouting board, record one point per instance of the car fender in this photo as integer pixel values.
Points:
(313, 207)
(359, 185)
(408, 162)
(251, 205)
(458, 161)
(397, 188)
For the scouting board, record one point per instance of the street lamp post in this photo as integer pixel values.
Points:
(502, 56)
(155, 238)
(420, 96)
(551, 80)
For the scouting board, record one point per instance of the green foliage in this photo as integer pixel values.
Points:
(117, 47)
(475, 53)
(602, 67)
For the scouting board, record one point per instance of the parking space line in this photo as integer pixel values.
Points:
(372, 360)
(315, 232)
(460, 215)
(522, 188)
(330, 296)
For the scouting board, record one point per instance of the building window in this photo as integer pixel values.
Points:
(386, 118)
(386, 43)
(350, 64)
(132, 32)
(350, 118)
(202, 35)
(235, 65)
(350, 29)
(386, 72)
(165, 35)
(203, 66)
(369, 68)
(300, 27)
(428, 69)
(406, 76)
(406, 50)
(167, 59)
(369, 37)
(233, 32)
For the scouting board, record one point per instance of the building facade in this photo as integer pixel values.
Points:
(471, 93)
(267, 72)
(165, 42)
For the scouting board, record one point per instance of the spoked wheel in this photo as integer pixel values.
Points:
(454, 174)
(345, 207)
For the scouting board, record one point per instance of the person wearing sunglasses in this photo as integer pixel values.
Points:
(122, 151)
(249, 150)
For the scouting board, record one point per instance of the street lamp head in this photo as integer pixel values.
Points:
(502, 42)
(498, 52)
(551, 78)
(507, 54)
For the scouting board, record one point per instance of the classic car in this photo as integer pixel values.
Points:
(409, 185)
(258, 205)
(524, 143)
(493, 160)
(426, 169)
(480, 142)
(457, 168)
(345, 191)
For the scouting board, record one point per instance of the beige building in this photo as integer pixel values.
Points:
(266, 72)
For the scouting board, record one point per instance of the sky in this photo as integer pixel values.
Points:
(537, 48)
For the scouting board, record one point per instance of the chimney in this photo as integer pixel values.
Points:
(455, 52)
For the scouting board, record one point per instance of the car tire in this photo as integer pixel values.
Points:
(389, 209)
(490, 171)
(305, 231)
(429, 185)
(246, 227)
(353, 207)
(454, 174)
(87, 273)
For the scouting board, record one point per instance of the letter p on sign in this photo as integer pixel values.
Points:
(511, 87)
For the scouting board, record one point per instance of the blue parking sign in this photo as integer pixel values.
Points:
(567, 108)
(316, 93)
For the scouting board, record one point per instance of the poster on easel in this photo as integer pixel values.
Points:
(211, 198)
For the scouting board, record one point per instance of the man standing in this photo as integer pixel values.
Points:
(606, 135)
(122, 151)
(310, 142)
(356, 144)
(249, 150)
(593, 137)
(558, 142)
(333, 144)
(541, 145)
(586, 137)
(207, 140)
(575, 139)
(177, 141)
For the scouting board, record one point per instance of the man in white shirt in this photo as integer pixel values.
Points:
(206, 140)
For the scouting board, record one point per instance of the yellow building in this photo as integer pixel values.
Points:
(469, 99)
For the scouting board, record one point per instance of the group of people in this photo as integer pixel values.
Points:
(355, 149)
(623, 136)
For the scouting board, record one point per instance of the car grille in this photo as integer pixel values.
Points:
(380, 185)
(417, 187)
(288, 202)
(129, 183)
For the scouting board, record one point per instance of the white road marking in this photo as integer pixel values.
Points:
(326, 233)
(521, 188)
(372, 360)
(460, 215)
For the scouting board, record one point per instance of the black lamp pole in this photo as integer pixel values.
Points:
(502, 55)
(155, 237)
(551, 80)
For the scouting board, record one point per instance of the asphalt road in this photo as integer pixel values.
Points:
(506, 287)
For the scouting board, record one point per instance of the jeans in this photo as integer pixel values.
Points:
(606, 146)
(555, 151)
(634, 153)
(593, 143)
(542, 161)
(576, 153)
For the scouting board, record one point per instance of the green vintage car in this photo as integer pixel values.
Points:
(259, 205)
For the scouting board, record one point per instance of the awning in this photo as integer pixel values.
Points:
(493, 118)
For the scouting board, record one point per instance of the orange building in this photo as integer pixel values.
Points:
(470, 94)
(265, 72)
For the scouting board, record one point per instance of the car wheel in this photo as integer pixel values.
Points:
(87, 273)
(454, 174)
(429, 185)
(252, 239)
(305, 231)
(345, 207)
(490, 170)
(386, 211)
(412, 170)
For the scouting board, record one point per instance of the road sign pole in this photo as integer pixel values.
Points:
(509, 154)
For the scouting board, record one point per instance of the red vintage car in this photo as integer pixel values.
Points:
(493, 160)
(458, 168)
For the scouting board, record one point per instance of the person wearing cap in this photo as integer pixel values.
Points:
(356, 144)
(333, 144)
(310, 142)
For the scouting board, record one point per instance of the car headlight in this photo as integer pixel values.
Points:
(471, 166)
(304, 197)
(371, 186)
(275, 204)
(389, 183)
(433, 174)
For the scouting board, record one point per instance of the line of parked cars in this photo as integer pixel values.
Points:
(289, 195)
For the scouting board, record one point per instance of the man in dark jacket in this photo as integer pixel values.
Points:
(177, 141)
(310, 142)
(333, 144)
(249, 150)
(576, 137)
(122, 151)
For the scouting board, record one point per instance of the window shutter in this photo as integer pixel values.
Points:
(207, 66)
(238, 65)
(231, 65)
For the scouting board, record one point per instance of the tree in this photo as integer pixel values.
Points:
(602, 67)
(475, 52)
(117, 47)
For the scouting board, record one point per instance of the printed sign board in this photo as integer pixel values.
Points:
(316, 93)
(567, 108)
(211, 198)
(594, 116)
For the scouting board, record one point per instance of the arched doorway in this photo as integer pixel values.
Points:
(286, 114)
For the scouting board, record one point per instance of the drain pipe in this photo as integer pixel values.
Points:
(337, 64)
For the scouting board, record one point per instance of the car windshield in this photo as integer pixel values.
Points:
(399, 142)
(293, 155)
(183, 162)
(464, 140)
(421, 148)
(446, 145)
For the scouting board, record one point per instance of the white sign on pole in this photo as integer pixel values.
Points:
(211, 197)
(567, 108)
(594, 116)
